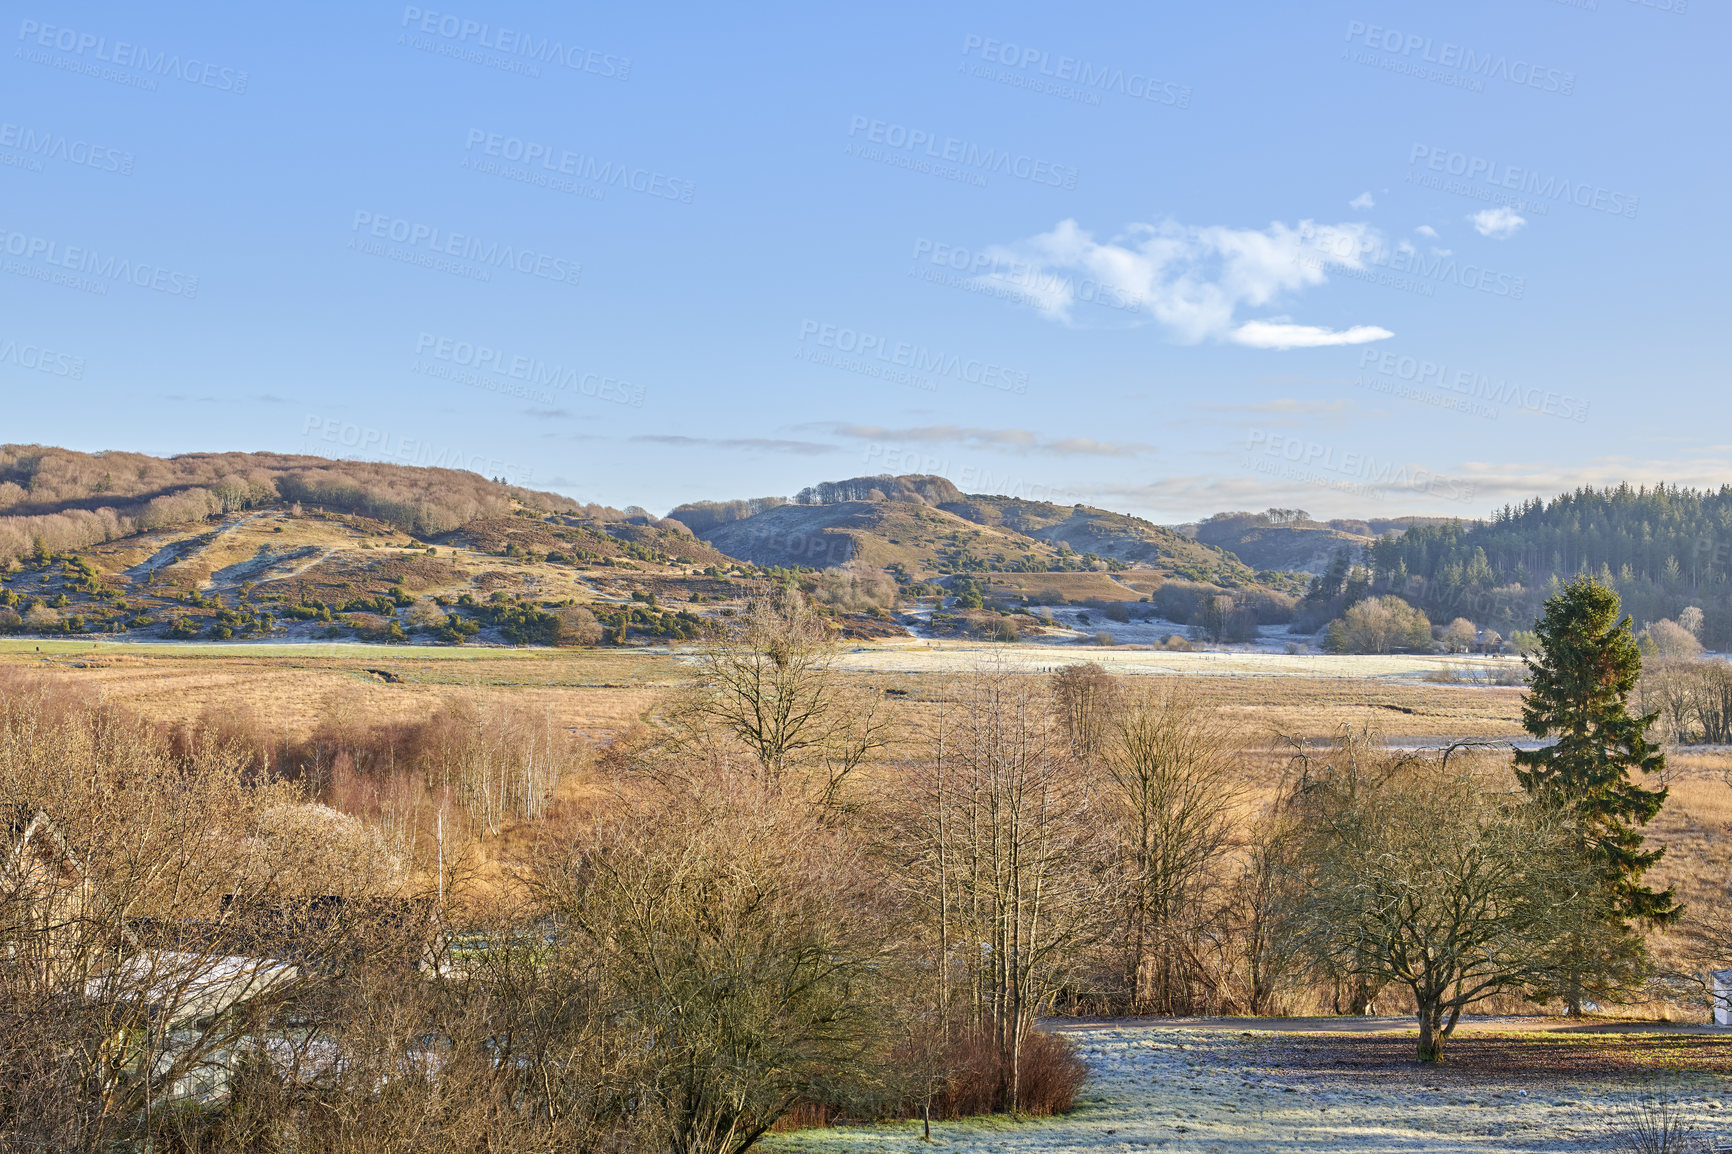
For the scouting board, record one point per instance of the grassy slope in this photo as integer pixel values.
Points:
(1304, 548)
(271, 559)
(875, 533)
(1108, 534)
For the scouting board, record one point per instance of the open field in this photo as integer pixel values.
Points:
(1243, 1088)
(605, 689)
(598, 693)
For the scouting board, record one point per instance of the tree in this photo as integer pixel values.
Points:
(1666, 638)
(1084, 699)
(1378, 625)
(1005, 855)
(1459, 635)
(1579, 690)
(1221, 619)
(747, 947)
(1432, 878)
(1171, 805)
(772, 685)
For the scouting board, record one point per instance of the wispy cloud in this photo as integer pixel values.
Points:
(1363, 200)
(1290, 411)
(1013, 440)
(1191, 280)
(1499, 223)
(760, 444)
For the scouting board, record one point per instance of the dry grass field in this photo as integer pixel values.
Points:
(597, 694)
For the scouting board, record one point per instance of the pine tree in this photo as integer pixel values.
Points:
(1579, 694)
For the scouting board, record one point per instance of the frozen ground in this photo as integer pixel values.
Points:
(1236, 1091)
(925, 656)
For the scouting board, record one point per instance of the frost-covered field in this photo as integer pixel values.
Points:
(1250, 1092)
(927, 656)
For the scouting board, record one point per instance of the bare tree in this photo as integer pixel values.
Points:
(1438, 880)
(1008, 858)
(1169, 765)
(1083, 698)
(746, 944)
(772, 685)
(153, 921)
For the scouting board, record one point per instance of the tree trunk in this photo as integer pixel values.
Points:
(1430, 1037)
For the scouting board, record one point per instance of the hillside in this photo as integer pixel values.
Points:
(924, 526)
(1296, 547)
(293, 548)
(1120, 536)
(1663, 550)
(914, 537)
(1288, 540)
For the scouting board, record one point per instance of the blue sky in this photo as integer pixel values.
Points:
(1362, 258)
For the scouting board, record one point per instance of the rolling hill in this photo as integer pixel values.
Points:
(925, 526)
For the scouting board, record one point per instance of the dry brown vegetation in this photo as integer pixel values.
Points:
(871, 886)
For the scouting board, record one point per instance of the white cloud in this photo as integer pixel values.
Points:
(1426, 230)
(762, 444)
(1015, 440)
(1285, 335)
(1498, 223)
(1191, 280)
(1363, 200)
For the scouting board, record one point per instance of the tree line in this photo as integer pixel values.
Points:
(1662, 549)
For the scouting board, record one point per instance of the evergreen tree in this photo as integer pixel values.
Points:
(1579, 694)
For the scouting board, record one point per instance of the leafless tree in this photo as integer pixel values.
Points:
(1169, 766)
(772, 686)
(1438, 880)
(1008, 858)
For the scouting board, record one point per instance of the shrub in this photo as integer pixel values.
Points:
(1104, 638)
(1378, 625)
(1051, 1074)
(1666, 638)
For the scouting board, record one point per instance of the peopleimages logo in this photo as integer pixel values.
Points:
(431, 242)
(1363, 258)
(1472, 385)
(87, 46)
(1301, 460)
(461, 32)
(368, 444)
(39, 145)
(41, 360)
(522, 374)
(580, 166)
(90, 263)
(1086, 77)
(1527, 182)
(869, 347)
(926, 151)
(1481, 66)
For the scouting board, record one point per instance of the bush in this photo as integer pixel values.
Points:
(1666, 638)
(1105, 638)
(1459, 635)
(1378, 625)
(1050, 1072)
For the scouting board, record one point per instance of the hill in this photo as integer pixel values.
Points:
(234, 545)
(909, 536)
(924, 526)
(1288, 540)
(1119, 536)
